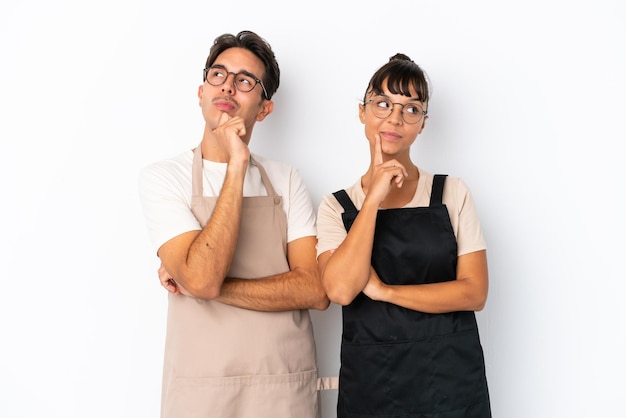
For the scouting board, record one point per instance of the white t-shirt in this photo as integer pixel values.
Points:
(456, 196)
(165, 193)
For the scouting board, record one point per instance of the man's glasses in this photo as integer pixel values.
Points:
(382, 107)
(243, 81)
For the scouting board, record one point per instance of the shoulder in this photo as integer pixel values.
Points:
(454, 189)
(174, 171)
(355, 193)
(274, 167)
(284, 176)
(453, 185)
(452, 182)
(457, 196)
(169, 167)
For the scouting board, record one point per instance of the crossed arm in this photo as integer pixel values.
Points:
(298, 288)
(467, 293)
(347, 271)
(196, 263)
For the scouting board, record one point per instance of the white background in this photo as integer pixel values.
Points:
(527, 107)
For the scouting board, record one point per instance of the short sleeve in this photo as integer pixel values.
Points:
(330, 229)
(463, 216)
(166, 203)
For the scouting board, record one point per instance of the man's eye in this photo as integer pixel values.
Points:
(245, 80)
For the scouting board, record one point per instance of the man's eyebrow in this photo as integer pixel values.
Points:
(245, 72)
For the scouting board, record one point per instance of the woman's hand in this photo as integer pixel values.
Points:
(384, 175)
(374, 289)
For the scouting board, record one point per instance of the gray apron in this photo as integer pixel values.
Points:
(226, 362)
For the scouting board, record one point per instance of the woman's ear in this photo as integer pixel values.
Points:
(423, 124)
(362, 112)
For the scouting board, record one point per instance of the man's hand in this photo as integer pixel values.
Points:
(168, 282)
(230, 131)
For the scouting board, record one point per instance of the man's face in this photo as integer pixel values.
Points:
(215, 100)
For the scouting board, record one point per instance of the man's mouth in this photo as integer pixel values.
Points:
(225, 105)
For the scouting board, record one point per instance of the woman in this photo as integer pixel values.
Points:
(403, 252)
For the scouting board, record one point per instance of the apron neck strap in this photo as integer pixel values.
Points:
(196, 174)
(436, 194)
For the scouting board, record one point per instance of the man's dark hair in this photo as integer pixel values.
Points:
(255, 44)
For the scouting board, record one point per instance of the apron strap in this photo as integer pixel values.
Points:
(264, 177)
(344, 200)
(196, 174)
(436, 194)
(327, 383)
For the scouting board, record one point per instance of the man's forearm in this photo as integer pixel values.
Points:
(211, 253)
(297, 289)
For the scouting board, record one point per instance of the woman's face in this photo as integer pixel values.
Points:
(396, 118)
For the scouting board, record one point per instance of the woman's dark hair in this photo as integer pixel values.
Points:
(255, 44)
(401, 74)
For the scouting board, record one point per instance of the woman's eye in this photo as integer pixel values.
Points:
(412, 109)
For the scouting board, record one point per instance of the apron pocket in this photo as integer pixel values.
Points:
(432, 375)
(265, 396)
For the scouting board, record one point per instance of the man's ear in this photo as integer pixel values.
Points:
(200, 95)
(266, 108)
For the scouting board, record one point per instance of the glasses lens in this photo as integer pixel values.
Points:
(381, 107)
(411, 112)
(244, 82)
(217, 76)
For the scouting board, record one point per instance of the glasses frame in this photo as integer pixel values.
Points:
(424, 112)
(219, 67)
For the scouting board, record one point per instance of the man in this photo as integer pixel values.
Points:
(235, 234)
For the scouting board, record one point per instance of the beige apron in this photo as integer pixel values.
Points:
(222, 361)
